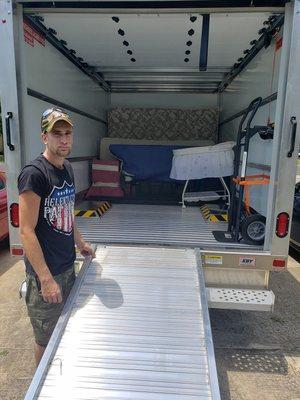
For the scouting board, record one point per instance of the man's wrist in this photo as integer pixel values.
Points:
(80, 245)
(45, 277)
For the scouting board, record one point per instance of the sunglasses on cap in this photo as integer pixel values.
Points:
(52, 115)
(51, 110)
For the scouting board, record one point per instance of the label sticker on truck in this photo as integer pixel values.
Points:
(247, 261)
(214, 260)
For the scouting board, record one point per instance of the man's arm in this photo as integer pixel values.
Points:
(84, 248)
(29, 204)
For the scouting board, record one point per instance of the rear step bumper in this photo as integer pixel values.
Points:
(240, 299)
(224, 298)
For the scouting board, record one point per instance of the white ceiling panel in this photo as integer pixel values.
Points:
(230, 34)
(155, 40)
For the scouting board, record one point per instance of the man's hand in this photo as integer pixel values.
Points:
(86, 250)
(51, 291)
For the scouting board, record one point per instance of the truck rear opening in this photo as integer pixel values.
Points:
(118, 83)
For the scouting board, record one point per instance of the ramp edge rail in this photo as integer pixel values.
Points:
(213, 375)
(42, 369)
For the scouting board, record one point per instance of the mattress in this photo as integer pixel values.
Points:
(203, 162)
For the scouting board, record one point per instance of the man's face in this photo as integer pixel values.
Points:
(60, 139)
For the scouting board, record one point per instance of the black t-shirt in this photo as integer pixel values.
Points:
(54, 228)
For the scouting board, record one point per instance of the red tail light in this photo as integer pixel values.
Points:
(17, 251)
(282, 224)
(279, 263)
(14, 215)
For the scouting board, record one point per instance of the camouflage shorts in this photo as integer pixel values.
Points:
(44, 316)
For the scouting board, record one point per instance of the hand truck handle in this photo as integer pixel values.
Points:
(254, 102)
(254, 105)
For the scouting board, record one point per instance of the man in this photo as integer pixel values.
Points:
(47, 229)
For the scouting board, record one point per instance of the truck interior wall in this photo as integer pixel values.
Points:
(48, 72)
(163, 100)
(260, 78)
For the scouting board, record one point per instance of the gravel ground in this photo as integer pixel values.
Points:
(257, 354)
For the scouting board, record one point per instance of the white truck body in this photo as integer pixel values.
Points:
(35, 75)
(39, 69)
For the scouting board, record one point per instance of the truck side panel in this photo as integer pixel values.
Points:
(287, 118)
(48, 72)
(260, 78)
(12, 93)
(42, 69)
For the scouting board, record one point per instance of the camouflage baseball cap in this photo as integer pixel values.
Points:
(52, 115)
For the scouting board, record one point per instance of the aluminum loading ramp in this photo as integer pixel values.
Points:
(136, 328)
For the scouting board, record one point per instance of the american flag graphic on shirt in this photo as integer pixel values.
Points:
(59, 208)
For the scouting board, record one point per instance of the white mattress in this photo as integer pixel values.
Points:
(203, 162)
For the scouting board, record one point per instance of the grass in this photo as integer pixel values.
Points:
(3, 353)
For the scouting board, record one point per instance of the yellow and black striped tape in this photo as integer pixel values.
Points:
(205, 211)
(219, 218)
(93, 213)
(213, 215)
(103, 208)
(85, 213)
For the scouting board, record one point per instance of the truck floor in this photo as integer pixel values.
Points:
(153, 224)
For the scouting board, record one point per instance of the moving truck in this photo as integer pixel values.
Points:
(198, 73)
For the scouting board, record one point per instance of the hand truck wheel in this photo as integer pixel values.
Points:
(253, 229)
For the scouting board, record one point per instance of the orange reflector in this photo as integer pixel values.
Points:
(282, 224)
(17, 251)
(14, 215)
(279, 263)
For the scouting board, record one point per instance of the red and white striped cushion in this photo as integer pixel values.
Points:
(105, 179)
(105, 171)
